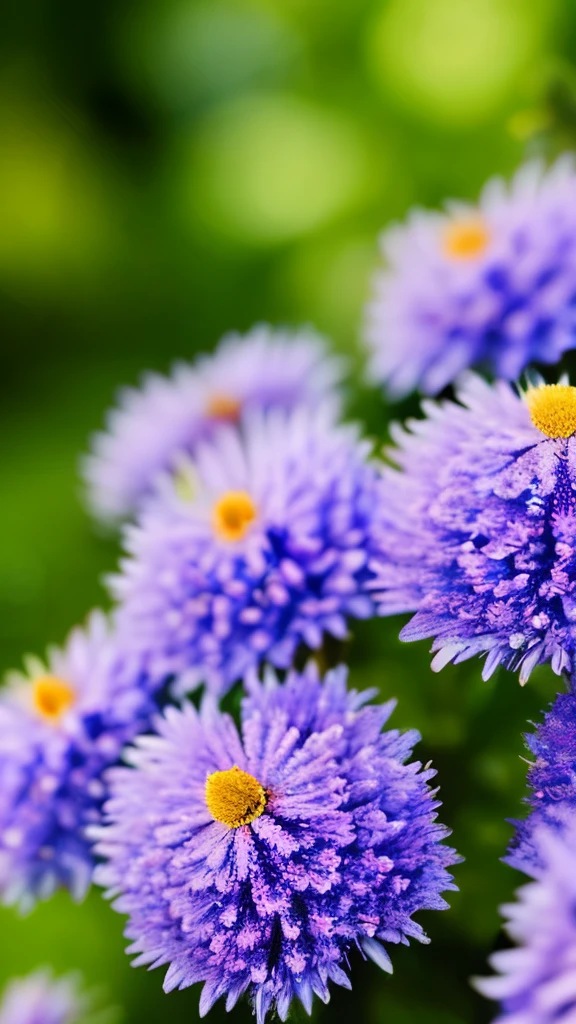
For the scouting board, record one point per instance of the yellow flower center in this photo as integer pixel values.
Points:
(466, 239)
(224, 407)
(553, 409)
(52, 697)
(234, 797)
(233, 514)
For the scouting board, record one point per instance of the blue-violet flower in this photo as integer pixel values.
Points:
(154, 427)
(42, 999)
(257, 862)
(551, 778)
(492, 285)
(479, 527)
(267, 550)
(536, 982)
(61, 725)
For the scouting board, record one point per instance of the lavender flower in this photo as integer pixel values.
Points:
(552, 780)
(42, 999)
(61, 725)
(536, 983)
(256, 863)
(492, 285)
(155, 426)
(269, 550)
(479, 527)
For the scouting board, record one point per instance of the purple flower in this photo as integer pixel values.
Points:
(154, 427)
(269, 550)
(42, 999)
(536, 982)
(479, 527)
(552, 780)
(257, 862)
(61, 725)
(492, 285)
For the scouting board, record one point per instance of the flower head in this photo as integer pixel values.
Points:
(42, 999)
(61, 725)
(552, 780)
(269, 552)
(536, 983)
(264, 858)
(155, 427)
(479, 528)
(492, 285)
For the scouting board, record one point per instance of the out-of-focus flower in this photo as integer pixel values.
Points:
(536, 983)
(479, 527)
(61, 725)
(264, 859)
(492, 285)
(552, 780)
(267, 551)
(155, 427)
(42, 999)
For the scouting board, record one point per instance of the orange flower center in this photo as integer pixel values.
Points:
(52, 697)
(233, 515)
(234, 797)
(224, 407)
(466, 239)
(552, 409)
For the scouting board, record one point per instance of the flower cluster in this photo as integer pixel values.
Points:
(42, 999)
(155, 427)
(257, 858)
(479, 527)
(536, 983)
(492, 285)
(268, 550)
(61, 725)
(264, 858)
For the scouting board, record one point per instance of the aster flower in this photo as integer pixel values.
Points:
(269, 550)
(263, 859)
(61, 725)
(153, 427)
(552, 780)
(479, 527)
(491, 285)
(42, 999)
(536, 983)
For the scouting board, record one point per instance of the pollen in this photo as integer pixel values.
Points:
(233, 515)
(234, 797)
(466, 239)
(552, 409)
(224, 407)
(52, 697)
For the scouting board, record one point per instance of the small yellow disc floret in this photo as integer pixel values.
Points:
(553, 409)
(52, 697)
(466, 239)
(224, 407)
(234, 797)
(233, 515)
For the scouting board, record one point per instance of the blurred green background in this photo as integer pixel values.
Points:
(171, 169)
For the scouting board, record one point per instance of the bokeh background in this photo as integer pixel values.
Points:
(171, 169)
